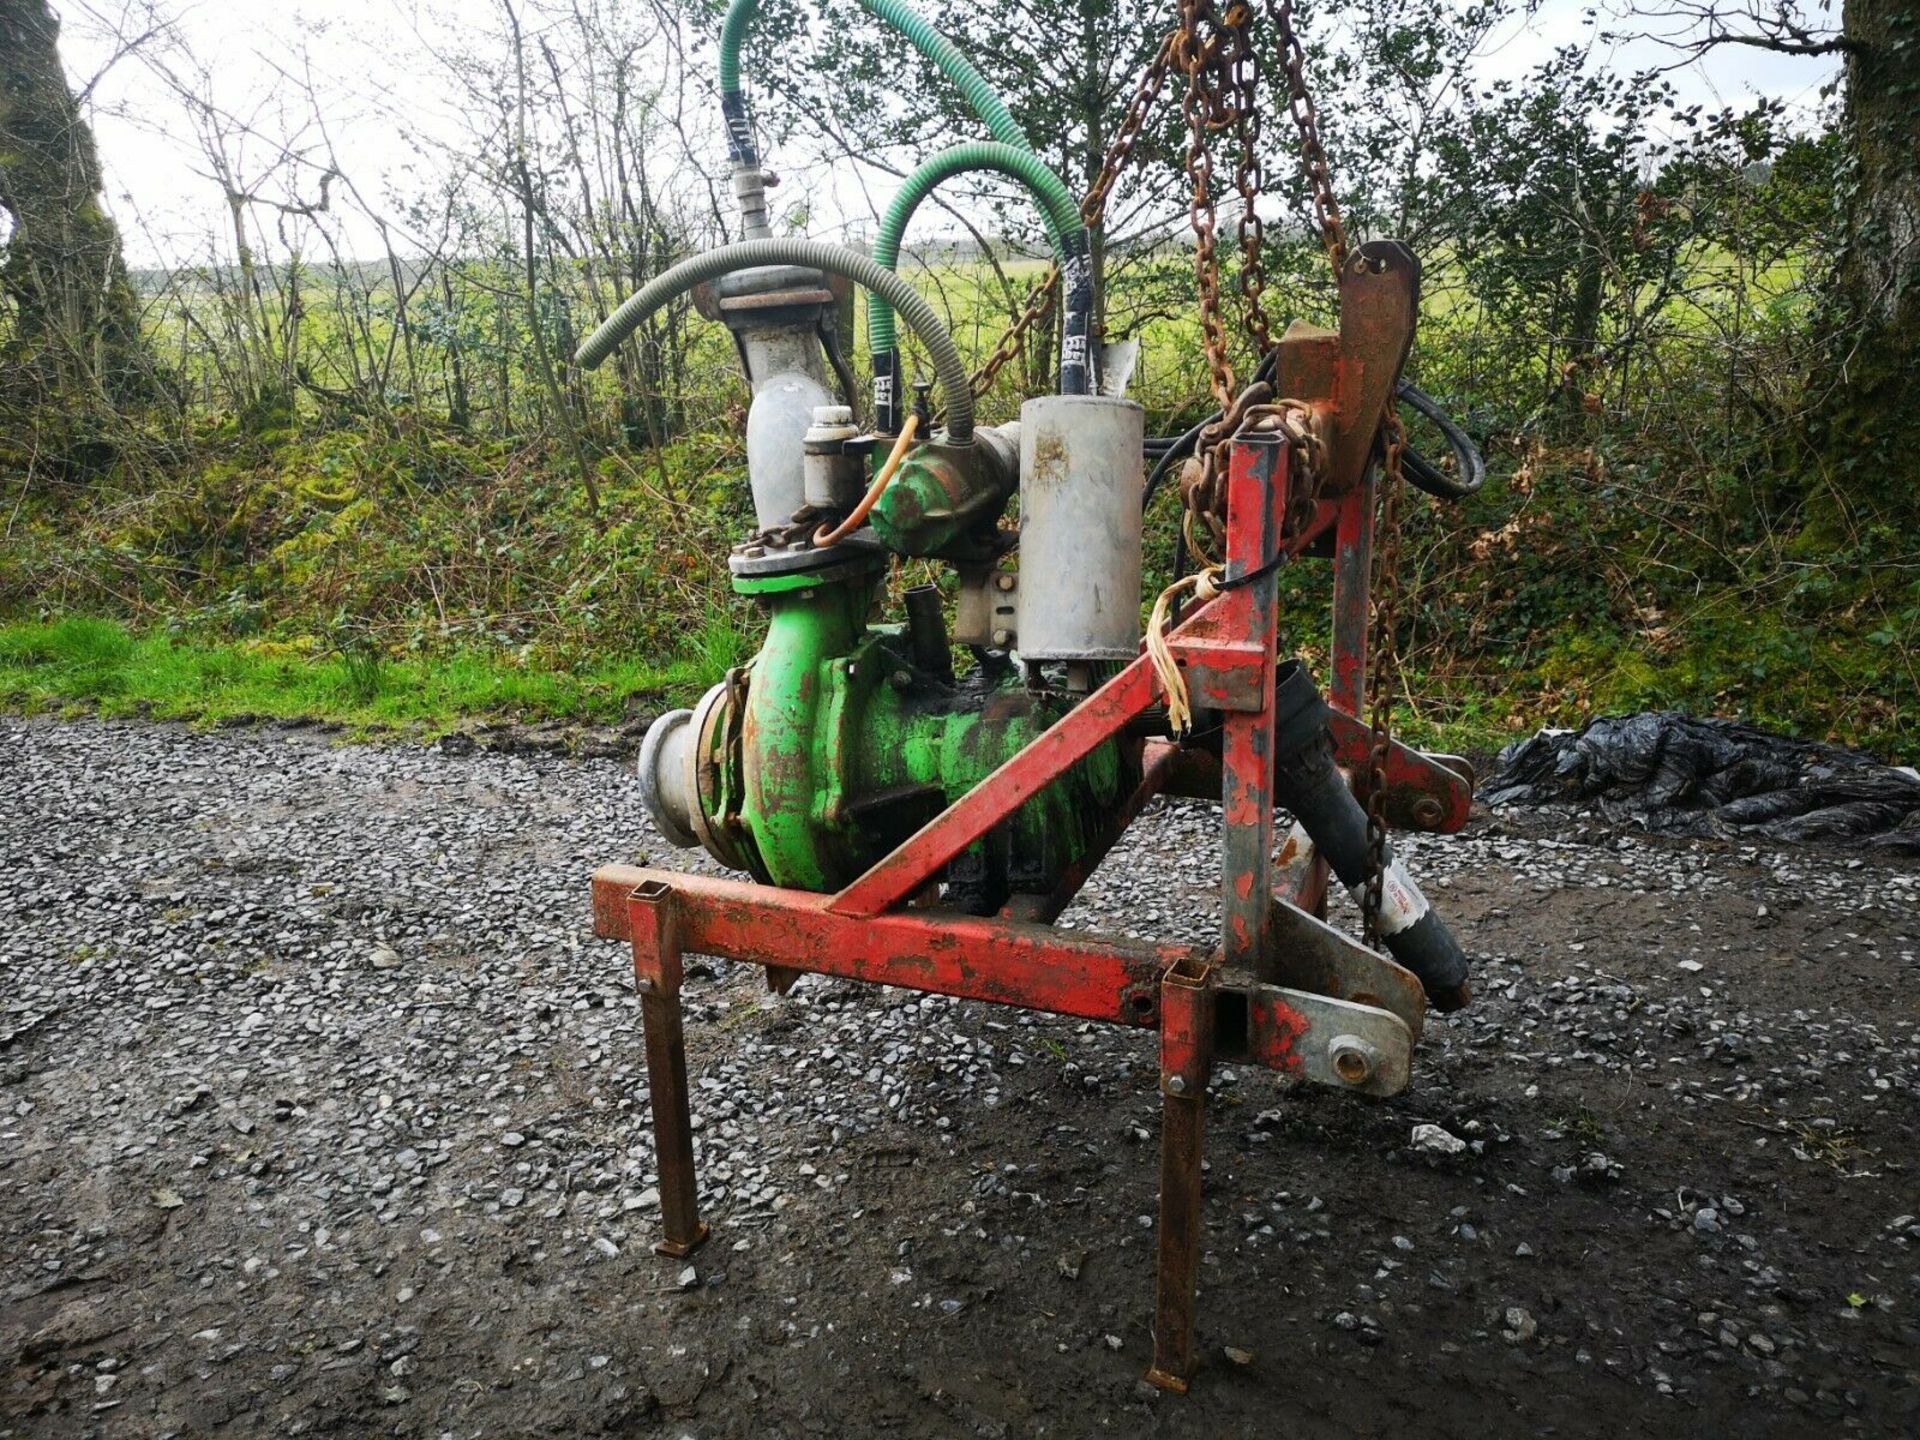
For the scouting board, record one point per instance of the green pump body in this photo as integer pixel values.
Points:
(843, 737)
(836, 743)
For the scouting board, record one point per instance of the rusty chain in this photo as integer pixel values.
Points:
(1216, 54)
(1201, 49)
(1306, 120)
(1038, 306)
(1383, 661)
(1120, 149)
(1249, 178)
(1041, 298)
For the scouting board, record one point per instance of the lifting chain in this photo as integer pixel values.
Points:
(1040, 299)
(1248, 178)
(1221, 66)
(1215, 52)
(1306, 120)
(1039, 305)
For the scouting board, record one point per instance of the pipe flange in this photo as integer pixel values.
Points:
(661, 735)
(803, 556)
(705, 717)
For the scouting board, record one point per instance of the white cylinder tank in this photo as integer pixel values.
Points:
(1081, 478)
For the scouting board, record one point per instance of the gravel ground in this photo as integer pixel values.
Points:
(322, 1112)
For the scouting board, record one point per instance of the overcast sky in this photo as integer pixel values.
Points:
(365, 56)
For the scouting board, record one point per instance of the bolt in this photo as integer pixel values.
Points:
(1003, 582)
(1176, 1084)
(902, 679)
(1003, 638)
(1354, 1059)
(754, 552)
(1427, 812)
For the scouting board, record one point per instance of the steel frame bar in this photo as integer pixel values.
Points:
(1006, 962)
(654, 916)
(1256, 513)
(1186, 1065)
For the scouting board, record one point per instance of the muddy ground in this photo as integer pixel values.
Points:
(322, 1112)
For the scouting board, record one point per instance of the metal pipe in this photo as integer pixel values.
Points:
(948, 367)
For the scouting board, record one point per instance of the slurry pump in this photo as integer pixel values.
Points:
(904, 822)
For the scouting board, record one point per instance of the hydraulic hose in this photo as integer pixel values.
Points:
(1423, 472)
(1064, 228)
(948, 367)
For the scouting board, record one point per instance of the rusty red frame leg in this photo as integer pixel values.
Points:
(1186, 1064)
(1257, 474)
(654, 915)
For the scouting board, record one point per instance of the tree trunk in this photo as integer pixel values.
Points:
(1869, 422)
(76, 322)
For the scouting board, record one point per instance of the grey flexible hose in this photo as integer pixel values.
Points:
(949, 369)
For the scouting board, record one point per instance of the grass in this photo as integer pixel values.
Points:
(81, 663)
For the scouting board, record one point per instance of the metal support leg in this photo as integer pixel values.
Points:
(657, 974)
(1186, 1062)
(1257, 481)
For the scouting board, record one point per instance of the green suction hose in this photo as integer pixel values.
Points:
(1057, 207)
(1064, 228)
(948, 367)
(928, 41)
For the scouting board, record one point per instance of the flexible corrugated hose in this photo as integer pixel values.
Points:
(1064, 227)
(924, 38)
(1057, 205)
(949, 369)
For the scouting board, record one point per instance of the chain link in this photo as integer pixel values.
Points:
(1041, 298)
(1201, 50)
(1153, 79)
(1306, 120)
(1249, 176)
(1039, 305)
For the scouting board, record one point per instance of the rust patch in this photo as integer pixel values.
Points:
(1049, 461)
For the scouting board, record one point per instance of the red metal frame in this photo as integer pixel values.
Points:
(1204, 1004)
(1227, 651)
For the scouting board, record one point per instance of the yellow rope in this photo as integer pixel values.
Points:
(1160, 653)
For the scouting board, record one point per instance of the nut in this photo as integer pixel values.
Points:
(1176, 1084)
(1428, 812)
(1003, 638)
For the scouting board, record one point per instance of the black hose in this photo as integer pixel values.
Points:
(1423, 472)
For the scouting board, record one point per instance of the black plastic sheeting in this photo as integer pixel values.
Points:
(1681, 775)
